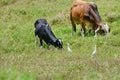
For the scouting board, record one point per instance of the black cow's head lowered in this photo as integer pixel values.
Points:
(59, 43)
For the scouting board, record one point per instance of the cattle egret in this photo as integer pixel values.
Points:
(68, 48)
(94, 52)
(95, 36)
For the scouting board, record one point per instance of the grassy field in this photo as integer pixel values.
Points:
(21, 59)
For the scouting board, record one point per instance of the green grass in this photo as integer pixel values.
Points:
(21, 59)
(10, 74)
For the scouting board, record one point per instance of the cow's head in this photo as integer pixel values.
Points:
(104, 29)
(59, 43)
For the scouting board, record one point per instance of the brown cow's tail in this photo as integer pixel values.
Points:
(72, 22)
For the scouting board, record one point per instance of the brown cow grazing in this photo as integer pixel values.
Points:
(86, 13)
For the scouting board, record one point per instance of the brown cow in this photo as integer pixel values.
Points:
(86, 13)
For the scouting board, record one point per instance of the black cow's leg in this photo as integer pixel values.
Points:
(41, 43)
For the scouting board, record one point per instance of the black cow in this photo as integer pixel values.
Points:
(44, 32)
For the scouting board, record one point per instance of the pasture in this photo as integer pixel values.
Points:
(21, 59)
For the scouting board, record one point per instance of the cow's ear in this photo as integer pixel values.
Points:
(57, 40)
(46, 24)
(60, 40)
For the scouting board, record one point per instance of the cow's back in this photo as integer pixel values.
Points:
(79, 10)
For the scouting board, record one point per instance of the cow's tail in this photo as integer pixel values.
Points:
(72, 21)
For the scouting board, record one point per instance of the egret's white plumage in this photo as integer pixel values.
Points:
(95, 36)
(94, 52)
(68, 47)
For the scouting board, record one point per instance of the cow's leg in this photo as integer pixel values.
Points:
(49, 46)
(73, 23)
(73, 26)
(90, 30)
(95, 28)
(97, 31)
(41, 43)
(83, 30)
